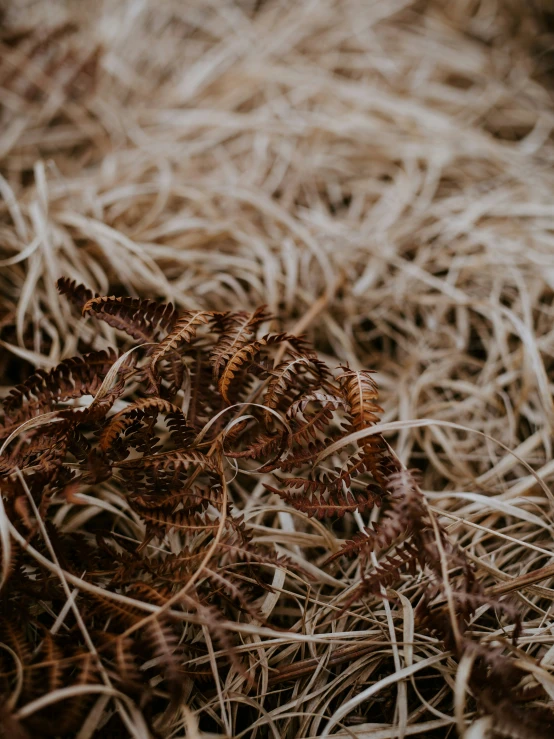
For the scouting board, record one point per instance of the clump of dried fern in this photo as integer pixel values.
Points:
(133, 586)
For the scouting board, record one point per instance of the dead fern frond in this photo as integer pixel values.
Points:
(141, 319)
(235, 331)
(140, 489)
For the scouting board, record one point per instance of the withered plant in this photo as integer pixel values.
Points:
(132, 581)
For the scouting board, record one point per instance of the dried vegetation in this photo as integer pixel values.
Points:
(208, 527)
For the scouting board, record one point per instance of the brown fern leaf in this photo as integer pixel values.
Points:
(122, 420)
(183, 330)
(196, 497)
(171, 370)
(141, 319)
(363, 542)
(306, 431)
(246, 552)
(182, 435)
(73, 711)
(283, 378)
(51, 655)
(315, 499)
(297, 458)
(145, 592)
(179, 567)
(45, 390)
(354, 467)
(77, 294)
(43, 447)
(236, 330)
(359, 391)
(263, 446)
(335, 504)
(161, 522)
(325, 399)
(123, 614)
(233, 590)
(212, 618)
(404, 559)
(171, 460)
(122, 652)
(163, 642)
(237, 362)
(405, 515)
(13, 635)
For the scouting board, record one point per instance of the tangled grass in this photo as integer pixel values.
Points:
(380, 175)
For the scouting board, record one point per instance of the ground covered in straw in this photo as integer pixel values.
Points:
(379, 174)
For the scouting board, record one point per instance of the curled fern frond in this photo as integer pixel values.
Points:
(235, 330)
(129, 415)
(141, 319)
(359, 391)
(237, 362)
(183, 330)
(77, 294)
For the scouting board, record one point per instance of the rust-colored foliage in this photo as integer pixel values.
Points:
(144, 443)
(47, 80)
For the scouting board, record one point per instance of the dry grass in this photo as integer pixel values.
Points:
(380, 174)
